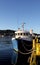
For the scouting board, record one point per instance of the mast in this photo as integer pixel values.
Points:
(23, 26)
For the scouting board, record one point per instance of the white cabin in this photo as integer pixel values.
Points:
(23, 34)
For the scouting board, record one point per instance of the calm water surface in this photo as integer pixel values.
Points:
(7, 54)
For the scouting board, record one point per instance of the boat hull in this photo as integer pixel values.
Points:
(23, 58)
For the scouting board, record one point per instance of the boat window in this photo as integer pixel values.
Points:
(24, 33)
(16, 34)
(21, 33)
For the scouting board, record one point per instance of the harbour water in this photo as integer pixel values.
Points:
(7, 54)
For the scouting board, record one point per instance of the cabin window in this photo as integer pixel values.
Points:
(16, 34)
(21, 33)
(24, 33)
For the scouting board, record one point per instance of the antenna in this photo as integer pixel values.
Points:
(23, 25)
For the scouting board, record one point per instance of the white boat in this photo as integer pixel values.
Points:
(23, 34)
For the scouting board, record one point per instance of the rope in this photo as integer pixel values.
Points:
(27, 49)
(22, 52)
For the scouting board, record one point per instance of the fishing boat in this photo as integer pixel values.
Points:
(24, 41)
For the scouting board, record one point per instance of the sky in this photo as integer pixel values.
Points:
(14, 12)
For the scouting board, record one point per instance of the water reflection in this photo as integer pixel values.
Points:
(7, 54)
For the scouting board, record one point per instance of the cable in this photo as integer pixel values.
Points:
(21, 52)
(27, 49)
